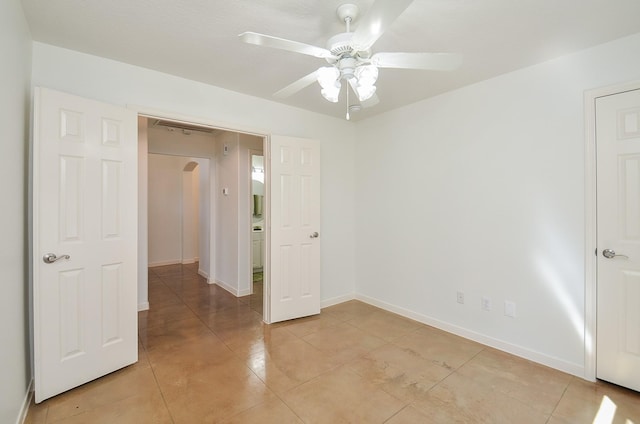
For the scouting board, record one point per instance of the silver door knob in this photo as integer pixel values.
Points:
(314, 235)
(610, 254)
(50, 258)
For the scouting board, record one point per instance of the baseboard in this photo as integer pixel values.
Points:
(190, 261)
(540, 358)
(204, 275)
(144, 306)
(336, 300)
(227, 287)
(24, 409)
(163, 263)
(232, 290)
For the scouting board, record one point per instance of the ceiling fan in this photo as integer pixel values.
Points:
(349, 55)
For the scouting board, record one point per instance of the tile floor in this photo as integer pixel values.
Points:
(206, 357)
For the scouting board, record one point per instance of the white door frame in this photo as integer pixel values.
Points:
(591, 282)
(143, 256)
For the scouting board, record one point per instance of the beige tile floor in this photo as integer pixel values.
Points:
(206, 357)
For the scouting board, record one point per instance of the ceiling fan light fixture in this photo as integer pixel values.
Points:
(328, 77)
(365, 92)
(367, 74)
(331, 93)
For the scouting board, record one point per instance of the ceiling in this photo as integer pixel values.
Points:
(198, 39)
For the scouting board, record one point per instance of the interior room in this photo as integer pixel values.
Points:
(457, 206)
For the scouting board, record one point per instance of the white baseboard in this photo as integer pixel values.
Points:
(24, 409)
(163, 263)
(190, 261)
(336, 300)
(204, 274)
(232, 290)
(540, 358)
(227, 287)
(144, 306)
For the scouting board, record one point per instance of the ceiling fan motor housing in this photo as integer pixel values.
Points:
(340, 44)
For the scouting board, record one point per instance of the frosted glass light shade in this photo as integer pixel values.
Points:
(331, 93)
(365, 92)
(366, 74)
(327, 76)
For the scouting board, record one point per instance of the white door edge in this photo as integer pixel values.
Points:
(266, 207)
(590, 307)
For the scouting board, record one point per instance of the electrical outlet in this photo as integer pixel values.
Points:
(510, 308)
(486, 303)
(460, 297)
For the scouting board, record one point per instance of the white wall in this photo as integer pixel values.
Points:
(482, 190)
(227, 210)
(205, 218)
(201, 148)
(190, 212)
(165, 208)
(123, 84)
(15, 71)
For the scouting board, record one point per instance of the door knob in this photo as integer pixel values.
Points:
(314, 235)
(50, 258)
(610, 254)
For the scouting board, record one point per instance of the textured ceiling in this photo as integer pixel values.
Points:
(198, 39)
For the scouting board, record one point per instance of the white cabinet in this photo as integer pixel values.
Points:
(257, 249)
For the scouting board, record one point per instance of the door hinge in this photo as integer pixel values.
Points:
(596, 252)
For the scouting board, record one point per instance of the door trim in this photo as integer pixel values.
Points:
(591, 222)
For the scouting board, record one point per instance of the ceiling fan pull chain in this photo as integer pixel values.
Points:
(348, 117)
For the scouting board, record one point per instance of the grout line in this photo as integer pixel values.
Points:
(164, 400)
(397, 412)
(560, 399)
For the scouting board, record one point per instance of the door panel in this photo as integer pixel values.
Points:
(84, 206)
(618, 199)
(295, 226)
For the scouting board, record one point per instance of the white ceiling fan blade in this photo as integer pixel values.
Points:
(371, 101)
(379, 17)
(283, 44)
(427, 61)
(293, 88)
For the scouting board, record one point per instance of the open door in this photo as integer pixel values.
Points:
(618, 235)
(294, 253)
(85, 240)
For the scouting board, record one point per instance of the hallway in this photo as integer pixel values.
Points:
(206, 356)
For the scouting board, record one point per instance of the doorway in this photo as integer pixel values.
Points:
(220, 165)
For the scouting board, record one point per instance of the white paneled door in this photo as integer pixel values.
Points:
(618, 198)
(84, 240)
(294, 262)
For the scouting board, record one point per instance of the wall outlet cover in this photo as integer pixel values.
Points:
(486, 303)
(510, 308)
